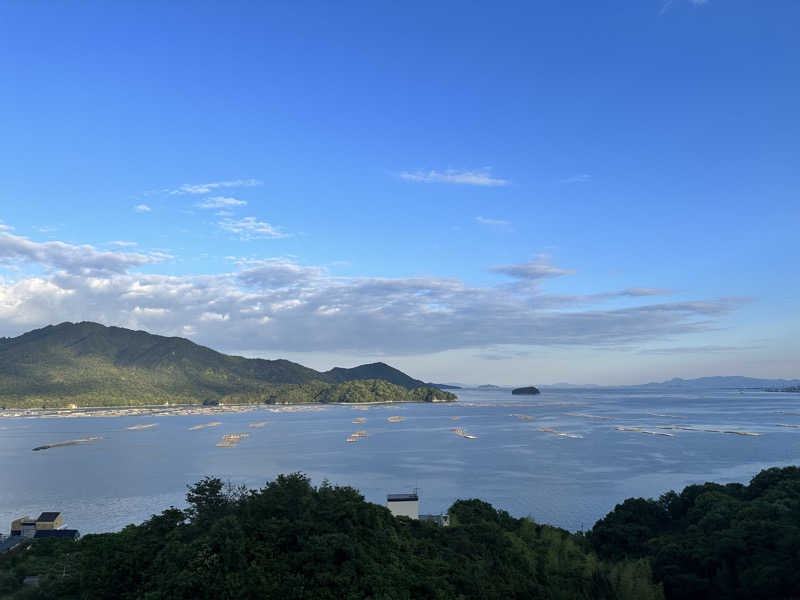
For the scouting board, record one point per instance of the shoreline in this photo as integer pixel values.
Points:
(177, 409)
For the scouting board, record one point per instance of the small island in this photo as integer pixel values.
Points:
(525, 391)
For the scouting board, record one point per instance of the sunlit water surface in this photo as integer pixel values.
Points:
(570, 482)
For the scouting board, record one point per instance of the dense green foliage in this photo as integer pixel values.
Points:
(291, 540)
(366, 390)
(87, 364)
(714, 541)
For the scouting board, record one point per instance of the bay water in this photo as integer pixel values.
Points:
(570, 482)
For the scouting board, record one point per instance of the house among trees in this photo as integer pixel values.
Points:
(407, 505)
(46, 525)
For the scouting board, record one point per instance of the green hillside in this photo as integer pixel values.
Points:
(290, 540)
(88, 364)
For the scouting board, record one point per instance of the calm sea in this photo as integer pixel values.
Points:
(569, 482)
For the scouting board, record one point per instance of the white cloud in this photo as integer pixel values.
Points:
(84, 259)
(698, 2)
(485, 221)
(206, 188)
(142, 208)
(278, 305)
(248, 228)
(480, 177)
(582, 178)
(220, 202)
(122, 244)
(4, 227)
(276, 272)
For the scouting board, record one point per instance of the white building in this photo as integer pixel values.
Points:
(403, 505)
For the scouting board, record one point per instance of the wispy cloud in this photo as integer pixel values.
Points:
(220, 202)
(581, 178)
(667, 4)
(4, 227)
(636, 292)
(698, 350)
(142, 208)
(248, 228)
(207, 188)
(485, 221)
(482, 177)
(122, 244)
(45, 229)
(538, 268)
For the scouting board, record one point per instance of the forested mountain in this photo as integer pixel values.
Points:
(88, 364)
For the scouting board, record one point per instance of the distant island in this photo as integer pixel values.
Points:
(731, 381)
(489, 386)
(84, 364)
(525, 391)
(794, 388)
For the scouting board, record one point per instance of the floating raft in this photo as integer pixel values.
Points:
(229, 440)
(588, 416)
(67, 443)
(261, 424)
(395, 419)
(357, 436)
(464, 434)
(684, 428)
(148, 426)
(454, 418)
(647, 431)
(359, 420)
(523, 417)
(560, 433)
(214, 424)
(787, 425)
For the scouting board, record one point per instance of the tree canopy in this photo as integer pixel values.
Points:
(292, 540)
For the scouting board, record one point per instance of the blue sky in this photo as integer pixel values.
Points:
(514, 193)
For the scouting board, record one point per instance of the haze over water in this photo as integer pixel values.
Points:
(569, 482)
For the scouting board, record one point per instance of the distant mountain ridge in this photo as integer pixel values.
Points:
(92, 362)
(723, 382)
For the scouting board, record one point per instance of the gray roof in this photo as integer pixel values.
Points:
(402, 498)
(48, 516)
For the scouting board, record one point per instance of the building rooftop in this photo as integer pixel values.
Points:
(48, 516)
(402, 498)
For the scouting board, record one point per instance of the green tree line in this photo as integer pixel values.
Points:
(290, 540)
